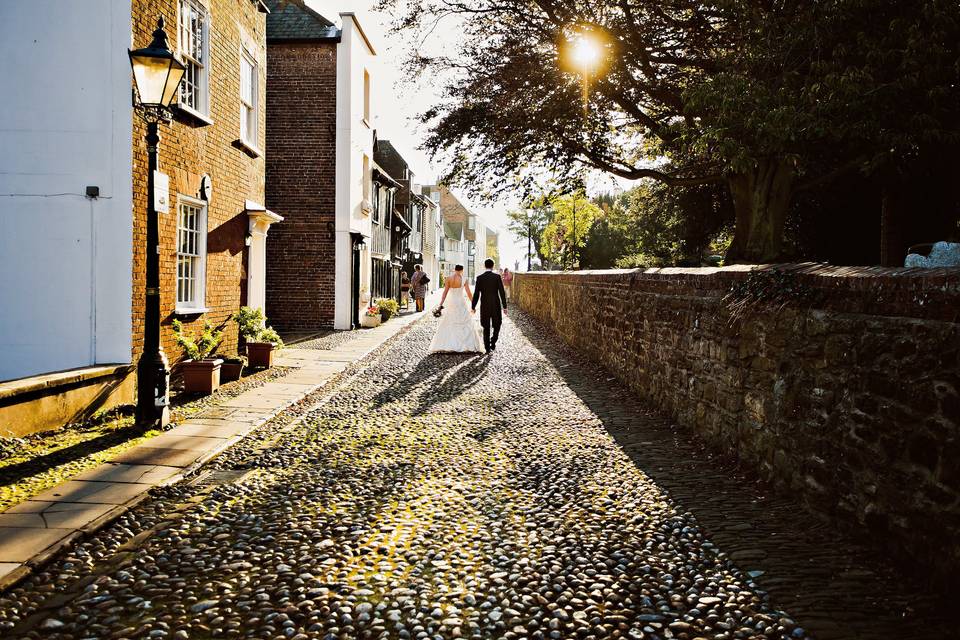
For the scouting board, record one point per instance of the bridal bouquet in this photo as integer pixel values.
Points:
(438, 311)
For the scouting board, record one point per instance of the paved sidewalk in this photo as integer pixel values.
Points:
(33, 531)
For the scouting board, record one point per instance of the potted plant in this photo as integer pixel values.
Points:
(231, 369)
(201, 373)
(261, 340)
(370, 317)
(388, 308)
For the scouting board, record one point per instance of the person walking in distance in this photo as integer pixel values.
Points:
(507, 283)
(419, 283)
(493, 304)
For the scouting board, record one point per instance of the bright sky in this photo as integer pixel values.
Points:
(398, 103)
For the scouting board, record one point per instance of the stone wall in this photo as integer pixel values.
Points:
(838, 384)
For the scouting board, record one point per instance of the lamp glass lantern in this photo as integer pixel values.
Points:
(157, 71)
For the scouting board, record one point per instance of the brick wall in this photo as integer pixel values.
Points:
(301, 183)
(841, 388)
(189, 149)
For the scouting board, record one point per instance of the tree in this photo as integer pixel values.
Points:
(528, 225)
(767, 97)
(655, 225)
(572, 218)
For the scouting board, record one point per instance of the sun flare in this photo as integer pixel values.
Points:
(585, 53)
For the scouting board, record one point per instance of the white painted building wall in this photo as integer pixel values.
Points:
(65, 124)
(354, 141)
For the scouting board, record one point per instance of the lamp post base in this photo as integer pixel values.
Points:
(153, 391)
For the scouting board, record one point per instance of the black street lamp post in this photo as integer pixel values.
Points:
(529, 240)
(157, 74)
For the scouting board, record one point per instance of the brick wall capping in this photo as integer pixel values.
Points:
(932, 294)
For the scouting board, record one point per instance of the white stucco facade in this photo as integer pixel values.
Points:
(355, 57)
(66, 124)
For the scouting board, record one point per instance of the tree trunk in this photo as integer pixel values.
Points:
(893, 248)
(761, 198)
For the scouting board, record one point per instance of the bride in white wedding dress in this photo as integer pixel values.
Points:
(457, 332)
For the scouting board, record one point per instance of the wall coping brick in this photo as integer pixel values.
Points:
(929, 294)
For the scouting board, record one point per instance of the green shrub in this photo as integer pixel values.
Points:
(252, 325)
(388, 307)
(250, 322)
(203, 345)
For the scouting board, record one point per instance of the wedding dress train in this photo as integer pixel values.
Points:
(457, 331)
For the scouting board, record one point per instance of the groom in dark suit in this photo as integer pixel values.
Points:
(493, 302)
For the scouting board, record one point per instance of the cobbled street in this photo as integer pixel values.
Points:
(518, 495)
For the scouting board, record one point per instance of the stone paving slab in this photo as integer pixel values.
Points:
(53, 515)
(328, 356)
(6, 568)
(158, 456)
(93, 492)
(208, 430)
(176, 440)
(139, 473)
(252, 416)
(257, 402)
(20, 544)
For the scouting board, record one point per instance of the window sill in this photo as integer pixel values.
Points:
(248, 148)
(190, 311)
(186, 113)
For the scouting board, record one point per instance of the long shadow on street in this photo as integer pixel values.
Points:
(838, 588)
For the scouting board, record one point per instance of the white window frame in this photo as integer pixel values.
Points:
(246, 110)
(198, 257)
(202, 82)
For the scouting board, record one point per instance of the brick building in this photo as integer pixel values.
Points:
(474, 230)
(432, 235)
(77, 253)
(319, 167)
(212, 154)
(410, 205)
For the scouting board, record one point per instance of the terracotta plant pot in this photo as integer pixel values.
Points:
(231, 370)
(201, 376)
(369, 322)
(260, 354)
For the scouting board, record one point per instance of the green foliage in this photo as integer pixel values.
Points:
(769, 290)
(267, 334)
(388, 307)
(653, 225)
(530, 223)
(571, 219)
(200, 347)
(440, 279)
(252, 325)
(693, 93)
(249, 322)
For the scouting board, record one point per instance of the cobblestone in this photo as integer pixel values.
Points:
(517, 495)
